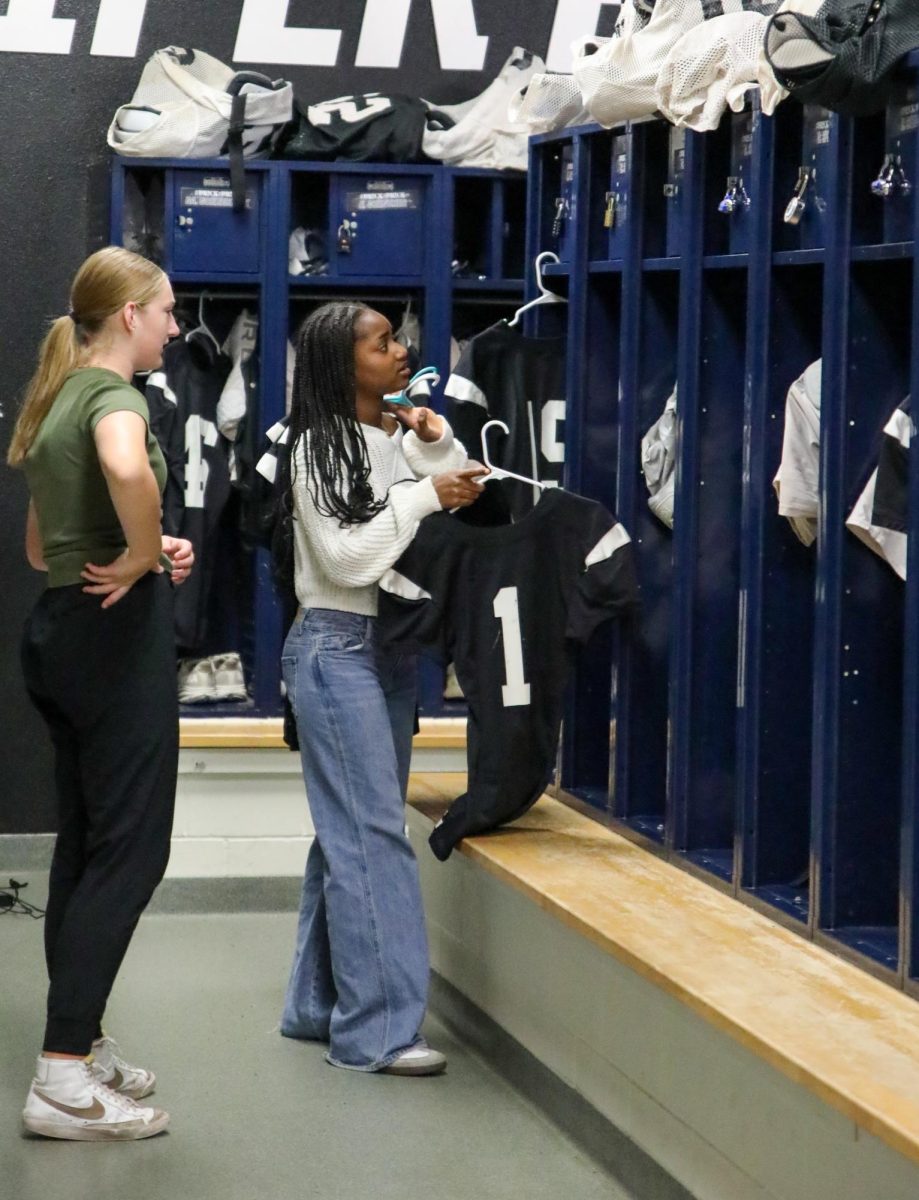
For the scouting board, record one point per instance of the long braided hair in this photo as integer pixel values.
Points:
(323, 410)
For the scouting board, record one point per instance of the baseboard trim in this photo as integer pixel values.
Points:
(26, 851)
(594, 1135)
(227, 894)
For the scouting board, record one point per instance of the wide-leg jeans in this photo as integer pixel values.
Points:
(360, 972)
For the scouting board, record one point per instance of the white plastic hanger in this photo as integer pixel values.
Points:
(545, 296)
(499, 472)
(201, 329)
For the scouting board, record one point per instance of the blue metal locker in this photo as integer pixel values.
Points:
(378, 225)
(207, 236)
(673, 191)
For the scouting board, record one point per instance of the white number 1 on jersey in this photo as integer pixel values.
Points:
(507, 610)
(198, 434)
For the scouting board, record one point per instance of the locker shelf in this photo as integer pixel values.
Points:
(606, 267)
(661, 264)
(798, 258)
(793, 901)
(720, 262)
(883, 252)
(878, 943)
(716, 862)
(472, 286)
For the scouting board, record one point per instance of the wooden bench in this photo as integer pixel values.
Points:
(241, 733)
(827, 1025)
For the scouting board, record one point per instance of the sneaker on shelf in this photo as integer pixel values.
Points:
(196, 681)
(419, 1060)
(67, 1101)
(229, 680)
(110, 1068)
(452, 689)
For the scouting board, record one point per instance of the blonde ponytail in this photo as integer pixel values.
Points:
(104, 284)
(58, 356)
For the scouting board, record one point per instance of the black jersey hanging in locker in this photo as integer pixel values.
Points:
(519, 380)
(182, 397)
(506, 603)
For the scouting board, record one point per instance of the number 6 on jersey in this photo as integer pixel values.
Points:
(507, 609)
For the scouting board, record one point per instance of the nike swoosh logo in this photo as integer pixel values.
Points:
(116, 1081)
(95, 1112)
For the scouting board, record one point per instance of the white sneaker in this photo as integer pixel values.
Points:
(419, 1060)
(67, 1101)
(109, 1068)
(196, 681)
(229, 680)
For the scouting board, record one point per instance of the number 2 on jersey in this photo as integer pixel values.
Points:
(507, 609)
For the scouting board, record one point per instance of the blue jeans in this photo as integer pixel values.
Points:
(360, 973)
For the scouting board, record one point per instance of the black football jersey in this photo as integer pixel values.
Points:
(182, 397)
(521, 381)
(506, 604)
(891, 495)
(362, 128)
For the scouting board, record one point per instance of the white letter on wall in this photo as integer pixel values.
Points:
(118, 28)
(573, 19)
(30, 27)
(264, 37)
(459, 45)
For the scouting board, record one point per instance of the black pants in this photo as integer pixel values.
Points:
(105, 683)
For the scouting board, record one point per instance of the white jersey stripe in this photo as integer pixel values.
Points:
(607, 545)
(399, 585)
(465, 390)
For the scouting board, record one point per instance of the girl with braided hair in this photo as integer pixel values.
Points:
(363, 476)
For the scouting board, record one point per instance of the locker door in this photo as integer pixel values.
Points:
(208, 236)
(378, 225)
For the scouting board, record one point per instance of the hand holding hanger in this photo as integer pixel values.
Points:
(499, 472)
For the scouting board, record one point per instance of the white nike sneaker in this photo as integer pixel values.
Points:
(196, 681)
(67, 1101)
(229, 680)
(109, 1068)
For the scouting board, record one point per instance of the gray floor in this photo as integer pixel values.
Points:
(258, 1117)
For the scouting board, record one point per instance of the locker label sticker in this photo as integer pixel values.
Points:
(909, 117)
(203, 197)
(378, 201)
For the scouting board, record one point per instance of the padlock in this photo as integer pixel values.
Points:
(609, 214)
(344, 237)
(886, 180)
(794, 210)
(735, 197)
(902, 182)
(561, 213)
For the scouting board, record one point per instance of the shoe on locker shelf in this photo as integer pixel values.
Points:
(197, 682)
(452, 689)
(229, 680)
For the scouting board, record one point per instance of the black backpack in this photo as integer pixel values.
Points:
(843, 56)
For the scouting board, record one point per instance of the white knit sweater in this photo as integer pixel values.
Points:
(339, 568)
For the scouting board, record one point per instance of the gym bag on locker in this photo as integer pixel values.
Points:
(619, 82)
(841, 56)
(190, 105)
